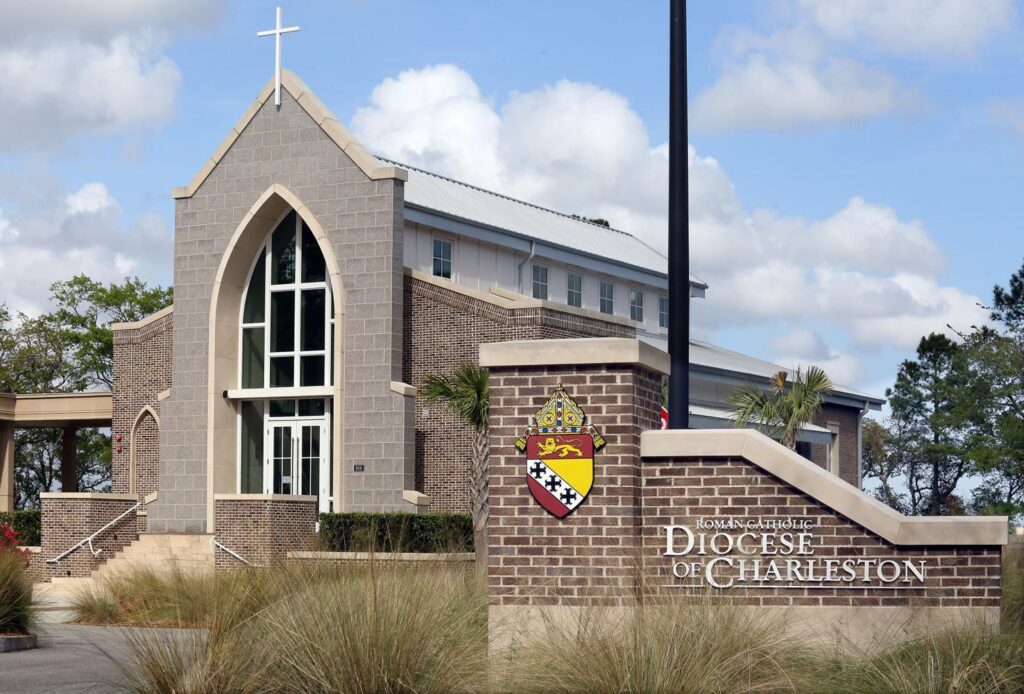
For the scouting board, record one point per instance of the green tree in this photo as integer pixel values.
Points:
(85, 310)
(466, 392)
(785, 407)
(996, 356)
(936, 420)
(69, 349)
(880, 462)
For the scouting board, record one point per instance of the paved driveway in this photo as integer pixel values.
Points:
(68, 660)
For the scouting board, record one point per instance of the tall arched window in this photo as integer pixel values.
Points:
(286, 343)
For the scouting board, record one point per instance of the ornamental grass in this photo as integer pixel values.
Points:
(17, 615)
(373, 628)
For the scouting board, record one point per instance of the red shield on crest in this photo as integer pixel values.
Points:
(560, 470)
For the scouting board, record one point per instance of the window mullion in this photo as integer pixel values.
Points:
(266, 314)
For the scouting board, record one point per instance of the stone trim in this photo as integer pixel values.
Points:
(323, 117)
(263, 497)
(102, 496)
(151, 318)
(57, 409)
(386, 556)
(403, 389)
(824, 487)
(573, 352)
(418, 499)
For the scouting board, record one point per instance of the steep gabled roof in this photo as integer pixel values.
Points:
(311, 104)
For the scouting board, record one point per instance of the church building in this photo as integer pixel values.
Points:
(316, 285)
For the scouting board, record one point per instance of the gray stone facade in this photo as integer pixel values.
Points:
(362, 219)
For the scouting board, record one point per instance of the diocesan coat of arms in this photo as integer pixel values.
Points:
(560, 447)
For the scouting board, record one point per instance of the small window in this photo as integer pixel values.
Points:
(636, 305)
(574, 290)
(607, 297)
(443, 258)
(540, 282)
(662, 311)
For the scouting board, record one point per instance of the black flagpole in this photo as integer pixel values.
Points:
(678, 226)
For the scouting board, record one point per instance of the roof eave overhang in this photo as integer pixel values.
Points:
(842, 398)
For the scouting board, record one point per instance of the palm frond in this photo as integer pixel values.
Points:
(465, 392)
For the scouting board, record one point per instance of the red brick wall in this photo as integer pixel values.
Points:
(846, 418)
(263, 530)
(142, 370)
(590, 557)
(680, 491)
(67, 521)
(443, 329)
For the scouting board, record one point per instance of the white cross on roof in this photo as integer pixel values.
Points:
(276, 33)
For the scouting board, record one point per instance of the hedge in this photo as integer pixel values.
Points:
(26, 523)
(396, 532)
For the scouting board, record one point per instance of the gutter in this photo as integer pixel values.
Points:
(519, 272)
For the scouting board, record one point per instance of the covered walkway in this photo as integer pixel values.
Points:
(67, 411)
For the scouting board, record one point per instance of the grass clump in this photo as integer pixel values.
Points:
(966, 658)
(17, 616)
(681, 646)
(305, 628)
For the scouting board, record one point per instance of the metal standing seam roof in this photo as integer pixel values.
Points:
(448, 196)
(714, 357)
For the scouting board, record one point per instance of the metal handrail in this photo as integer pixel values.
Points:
(216, 545)
(88, 540)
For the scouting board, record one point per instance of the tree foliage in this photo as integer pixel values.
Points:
(957, 412)
(466, 392)
(69, 349)
(785, 407)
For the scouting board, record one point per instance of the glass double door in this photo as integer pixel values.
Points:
(297, 458)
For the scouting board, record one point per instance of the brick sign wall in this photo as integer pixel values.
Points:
(841, 564)
(750, 522)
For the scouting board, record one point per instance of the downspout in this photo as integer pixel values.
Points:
(519, 273)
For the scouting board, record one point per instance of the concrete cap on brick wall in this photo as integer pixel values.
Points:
(824, 487)
(97, 496)
(574, 352)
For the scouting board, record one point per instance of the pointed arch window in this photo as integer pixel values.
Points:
(287, 321)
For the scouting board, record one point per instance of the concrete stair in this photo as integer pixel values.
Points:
(158, 553)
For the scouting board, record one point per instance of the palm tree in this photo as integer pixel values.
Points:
(782, 410)
(466, 392)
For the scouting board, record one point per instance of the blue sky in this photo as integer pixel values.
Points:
(856, 165)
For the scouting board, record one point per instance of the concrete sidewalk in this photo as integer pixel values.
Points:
(69, 659)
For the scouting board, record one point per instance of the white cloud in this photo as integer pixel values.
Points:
(913, 27)
(581, 149)
(813, 73)
(572, 146)
(803, 348)
(776, 93)
(862, 269)
(56, 234)
(71, 68)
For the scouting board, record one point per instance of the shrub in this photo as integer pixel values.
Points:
(26, 522)
(16, 613)
(396, 532)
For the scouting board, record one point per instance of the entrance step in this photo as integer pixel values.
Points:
(159, 553)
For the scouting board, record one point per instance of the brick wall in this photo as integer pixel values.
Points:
(591, 556)
(69, 518)
(846, 418)
(680, 491)
(263, 528)
(142, 370)
(445, 328)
